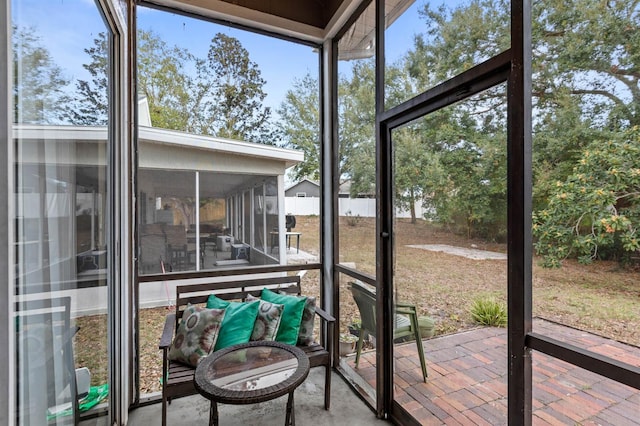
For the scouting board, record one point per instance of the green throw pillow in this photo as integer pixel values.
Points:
(291, 317)
(268, 321)
(238, 322)
(305, 335)
(196, 335)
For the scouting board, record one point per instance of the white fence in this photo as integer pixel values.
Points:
(363, 207)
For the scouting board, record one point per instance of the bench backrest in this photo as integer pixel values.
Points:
(196, 294)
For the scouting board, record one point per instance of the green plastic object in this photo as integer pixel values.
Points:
(96, 395)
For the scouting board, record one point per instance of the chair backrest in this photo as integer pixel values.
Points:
(365, 298)
(176, 235)
(153, 251)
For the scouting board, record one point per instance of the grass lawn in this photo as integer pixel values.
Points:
(602, 298)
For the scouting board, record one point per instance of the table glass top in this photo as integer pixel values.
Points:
(252, 368)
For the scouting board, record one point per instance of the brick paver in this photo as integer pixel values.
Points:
(467, 381)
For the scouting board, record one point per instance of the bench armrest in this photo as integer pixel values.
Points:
(331, 325)
(324, 316)
(167, 333)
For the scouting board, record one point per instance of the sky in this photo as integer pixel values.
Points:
(67, 27)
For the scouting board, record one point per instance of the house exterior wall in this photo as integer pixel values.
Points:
(307, 187)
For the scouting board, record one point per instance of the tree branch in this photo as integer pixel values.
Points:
(554, 33)
(619, 71)
(604, 93)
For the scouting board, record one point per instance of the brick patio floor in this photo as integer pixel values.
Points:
(467, 382)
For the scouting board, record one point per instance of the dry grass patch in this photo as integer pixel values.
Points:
(601, 298)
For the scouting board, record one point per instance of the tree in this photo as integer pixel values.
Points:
(91, 106)
(586, 62)
(356, 117)
(591, 49)
(300, 121)
(219, 96)
(464, 169)
(164, 81)
(585, 82)
(456, 39)
(39, 86)
(229, 93)
(415, 169)
(595, 212)
(356, 128)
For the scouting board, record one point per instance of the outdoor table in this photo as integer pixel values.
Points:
(288, 235)
(251, 372)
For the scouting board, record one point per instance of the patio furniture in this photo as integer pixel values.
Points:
(153, 253)
(251, 372)
(178, 256)
(178, 378)
(274, 239)
(182, 254)
(406, 322)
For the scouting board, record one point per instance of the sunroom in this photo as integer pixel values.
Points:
(475, 124)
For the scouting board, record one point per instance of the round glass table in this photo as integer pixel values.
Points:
(251, 372)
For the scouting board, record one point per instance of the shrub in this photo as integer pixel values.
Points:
(595, 212)
(352, 220)
(489, 312)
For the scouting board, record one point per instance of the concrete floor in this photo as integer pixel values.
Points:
(346, 408)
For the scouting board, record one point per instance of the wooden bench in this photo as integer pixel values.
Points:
(177, 380)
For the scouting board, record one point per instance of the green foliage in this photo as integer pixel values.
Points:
(301, 125)
(589, 49)
(595, 212)
(356, 116)
(489, 312)
(163, 80)
(415, 166)
(91, 106)
(348, 338)
(356, 131)
(223, 97)
(229, 93)
(456, 39)
(39, 85)
(585, 85)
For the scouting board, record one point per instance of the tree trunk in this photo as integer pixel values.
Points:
(412, 207)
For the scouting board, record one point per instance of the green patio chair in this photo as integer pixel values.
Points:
(406, 323)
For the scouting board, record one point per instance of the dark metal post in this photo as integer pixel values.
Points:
(384, 227)
(519, 215)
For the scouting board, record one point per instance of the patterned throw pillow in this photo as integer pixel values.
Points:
(196, 335)
(305, 336)
(268, 320)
